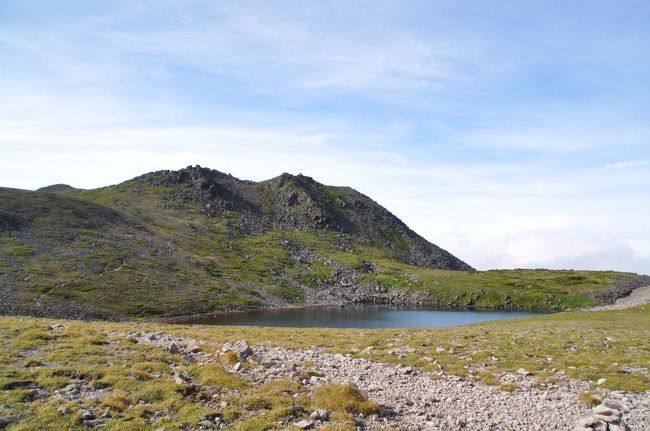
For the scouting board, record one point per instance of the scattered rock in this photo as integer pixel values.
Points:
(173, 348)
(305, 424)
(237, 367)
(320, 415)
(413, 401)
(56, 327)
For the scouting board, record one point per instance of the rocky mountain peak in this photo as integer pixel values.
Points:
(300, 203)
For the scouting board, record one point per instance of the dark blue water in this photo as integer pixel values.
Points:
(357, 317)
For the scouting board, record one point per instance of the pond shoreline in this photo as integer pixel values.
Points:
(198, 316)
(614, 303)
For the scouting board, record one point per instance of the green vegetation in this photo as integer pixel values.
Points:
(343, 399)
(136, 381)
(582, 345)
(149, 248)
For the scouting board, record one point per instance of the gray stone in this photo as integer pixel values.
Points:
(586, 422)
(236, 367)
(8, 420)
(94, 423)
(37, 394)
(181, 379)
(245, 352)
(71, 388)
(618, 427)
(317, 380)
(608, 418)
(305, 424)
(603, 410)
(173, 348)
(320, 415)
(86, 414)
(613, 404)
(193, 349)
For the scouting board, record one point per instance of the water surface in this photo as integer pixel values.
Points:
(357, 317)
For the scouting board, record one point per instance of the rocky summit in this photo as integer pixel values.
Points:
(198, 240)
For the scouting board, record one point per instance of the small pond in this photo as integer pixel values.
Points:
(356, 317)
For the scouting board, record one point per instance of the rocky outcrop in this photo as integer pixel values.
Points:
(299, 203)
(622, 288)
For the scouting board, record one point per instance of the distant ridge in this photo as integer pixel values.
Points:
(55, 188)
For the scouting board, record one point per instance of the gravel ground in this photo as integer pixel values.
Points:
(414, 400)
(639, 296)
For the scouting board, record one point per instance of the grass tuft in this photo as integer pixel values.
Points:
(343, 398)
(116, 400)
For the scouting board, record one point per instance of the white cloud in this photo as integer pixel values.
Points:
(72, 112)
(268, 49)
(562, 132)
(627, 164)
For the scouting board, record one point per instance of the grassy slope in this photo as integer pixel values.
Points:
(134, 249)
(575, 342)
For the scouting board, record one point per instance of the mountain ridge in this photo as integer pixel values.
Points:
(198, 240)
(301, 203)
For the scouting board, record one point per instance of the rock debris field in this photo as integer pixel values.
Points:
(409, 398)
(414, 400)
(638, 296)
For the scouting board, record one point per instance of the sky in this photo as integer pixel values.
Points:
(513, 133)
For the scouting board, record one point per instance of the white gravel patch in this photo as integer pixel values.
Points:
(415, 400)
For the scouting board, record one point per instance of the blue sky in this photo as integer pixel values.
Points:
(512, 133)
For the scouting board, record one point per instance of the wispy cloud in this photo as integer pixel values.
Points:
(508, 147)
(628, 164)
(559, 133)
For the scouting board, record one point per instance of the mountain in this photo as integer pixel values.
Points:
(198, 240)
